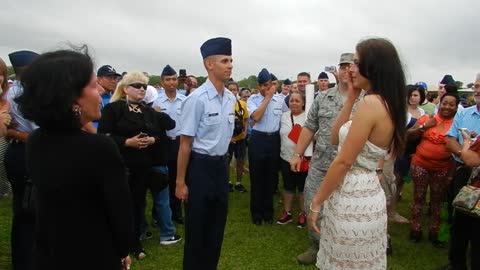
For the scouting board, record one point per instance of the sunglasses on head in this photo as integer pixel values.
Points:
(138, 86)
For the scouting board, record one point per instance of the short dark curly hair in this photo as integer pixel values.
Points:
(51, 85)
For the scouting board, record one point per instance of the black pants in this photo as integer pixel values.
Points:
(263, 158)
(465, 230)
(22, 235)
(138, 188)
(205, 211)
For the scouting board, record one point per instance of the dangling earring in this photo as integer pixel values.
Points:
(77, 111)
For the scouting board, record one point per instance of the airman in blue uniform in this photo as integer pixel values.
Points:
(170, 102)
(265, 109)
(207, 121)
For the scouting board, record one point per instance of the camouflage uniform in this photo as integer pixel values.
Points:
(320, 119)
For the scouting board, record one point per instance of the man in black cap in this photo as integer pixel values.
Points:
(207, 120)
(23, 221)
(322, 81)
(107, 77)
(286, 87)
(447, 79)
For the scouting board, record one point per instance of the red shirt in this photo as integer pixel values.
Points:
(431, 152)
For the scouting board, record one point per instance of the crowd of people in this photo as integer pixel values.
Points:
(85, 148)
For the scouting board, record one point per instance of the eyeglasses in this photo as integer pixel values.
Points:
(138, 86)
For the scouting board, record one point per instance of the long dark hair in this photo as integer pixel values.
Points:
(381, 65)
(51, 85)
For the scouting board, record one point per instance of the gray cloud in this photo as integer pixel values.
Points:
(432, 37)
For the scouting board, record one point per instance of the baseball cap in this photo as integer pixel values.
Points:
(107, 70)
(346, 58)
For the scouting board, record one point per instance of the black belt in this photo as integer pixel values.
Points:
(207, 157)
(173, 138)
(265, 133)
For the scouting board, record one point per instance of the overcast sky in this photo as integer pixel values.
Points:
(433, 37)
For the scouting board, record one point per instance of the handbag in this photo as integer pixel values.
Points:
(304, 164)
(158, 178)
(294, 135)
(467, 200)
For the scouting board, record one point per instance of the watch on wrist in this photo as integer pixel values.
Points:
(296, 155)
(421, 127)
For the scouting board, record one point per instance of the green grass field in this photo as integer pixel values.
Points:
(247, 246)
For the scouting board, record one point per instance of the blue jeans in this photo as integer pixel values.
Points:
(161, 201)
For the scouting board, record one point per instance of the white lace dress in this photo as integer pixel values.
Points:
(353, 232)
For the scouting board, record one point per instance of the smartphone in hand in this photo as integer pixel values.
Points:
(142, 135)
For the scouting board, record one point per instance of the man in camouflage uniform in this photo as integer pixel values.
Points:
(320, 119)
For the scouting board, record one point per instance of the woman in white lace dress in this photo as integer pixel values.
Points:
(353, 231)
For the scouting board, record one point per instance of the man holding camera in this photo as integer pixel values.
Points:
(238, 144)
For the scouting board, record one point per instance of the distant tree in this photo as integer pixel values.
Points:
(250, 82)
(470, 85)
(154, 79)
(201, 80)
(10, 70)
(459, 84)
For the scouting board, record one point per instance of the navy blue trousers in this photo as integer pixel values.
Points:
(263, 158)
(205, 211)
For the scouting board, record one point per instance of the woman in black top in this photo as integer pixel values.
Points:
(81, 197)
(139, 132)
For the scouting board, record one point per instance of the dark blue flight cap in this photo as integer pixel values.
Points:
(322, 75)
(448, 79)
(274, 78)
(287, 82)
(168, 71)
(264, 76)
(22, 58)
(216, 46)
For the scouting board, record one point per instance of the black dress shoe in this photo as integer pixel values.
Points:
(269, 221)
(257, 222)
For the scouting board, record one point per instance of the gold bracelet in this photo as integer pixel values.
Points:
(310, 208)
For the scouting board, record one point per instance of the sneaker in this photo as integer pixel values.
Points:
(285, 218)
(172, 240)
(230, 187)
(146, 235)
(240, 188)
(302, 220)
(397, 218)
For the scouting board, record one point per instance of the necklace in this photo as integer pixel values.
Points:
(134, 108)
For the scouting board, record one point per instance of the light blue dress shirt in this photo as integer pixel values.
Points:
(466, 118)
(21, 124)
(173, 108)
(270, 121)
(209, 118)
